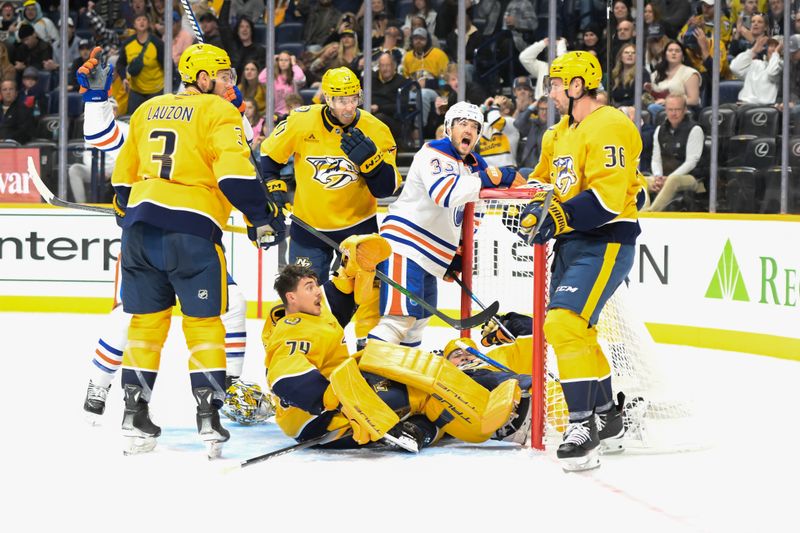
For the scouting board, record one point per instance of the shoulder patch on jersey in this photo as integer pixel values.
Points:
(292, 321)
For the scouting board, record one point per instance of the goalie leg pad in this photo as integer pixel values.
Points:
(476, 413)
(371, 416)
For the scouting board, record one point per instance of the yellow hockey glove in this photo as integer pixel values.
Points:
(556, 220)
(360, 255)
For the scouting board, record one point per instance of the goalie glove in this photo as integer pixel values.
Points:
(360, 255)
(554, 221)
(94, 77)
(362, 152)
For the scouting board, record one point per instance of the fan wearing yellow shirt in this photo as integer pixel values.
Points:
(591, 158)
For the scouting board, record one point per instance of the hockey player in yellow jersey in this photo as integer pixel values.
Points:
(322, 388)
(344, 160)
(183, 165)
(591, 158)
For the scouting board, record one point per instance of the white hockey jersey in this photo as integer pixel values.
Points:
(424, 223)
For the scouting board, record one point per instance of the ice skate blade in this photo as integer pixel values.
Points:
(404, 442)
(92, 419)
(589, 461)
(213, 449)
(612, 446)
(138, 445)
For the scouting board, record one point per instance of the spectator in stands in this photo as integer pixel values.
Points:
(103, 36)
(531, 122)
(181, 39)
(378, 6)
(321, 17)
(499, 137)
(673, 14)
(423, 9)
(423, 62)
(155, 12)
(652, 19)
(654, 48)
(32, 93)
(626, 33)
(140, 64)
(7, 70)
(592, 42)
(646, 131)
(622, 82)
(347, 21)
(45, 28)
(349, 54)
(30, 51)
(620, 11)
(474, 93)
(520, 18)
(72, 48)
(16, 120)
(697, 36)
(216, 33)
(80, 174)
(322, 60)
(252, 9)
(251, 87)
(757, 29)
(245, 49)
(392, 37)
(289, 79)
(794, 81)
(380, 23)
(132, 9)
(674, 76)
(84, 49)
(8, 24)
(774, 18)
(761, 67)
(385, 84)
(473, 40)
(536, 68)
(522, 88)
(742, 38)
(677, 148)
(251, 112)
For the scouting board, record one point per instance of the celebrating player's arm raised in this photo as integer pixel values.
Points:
(591, 158)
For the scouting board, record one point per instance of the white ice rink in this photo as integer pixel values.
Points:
(60, 474)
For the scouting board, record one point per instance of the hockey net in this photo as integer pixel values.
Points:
(517, 275)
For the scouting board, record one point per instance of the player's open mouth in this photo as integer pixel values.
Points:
(465, 142)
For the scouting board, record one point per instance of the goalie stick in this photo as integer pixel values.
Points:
(54, 200)
(467, 323)
(322, 439)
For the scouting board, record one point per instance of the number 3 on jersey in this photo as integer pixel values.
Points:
(164, 158)
(615, 155)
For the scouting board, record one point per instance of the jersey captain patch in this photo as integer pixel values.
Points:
(333, 172)
(565, 177)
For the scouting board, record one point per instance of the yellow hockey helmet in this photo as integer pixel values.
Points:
(451, 346)
(340, 81)
(577, 65)
(205, 57)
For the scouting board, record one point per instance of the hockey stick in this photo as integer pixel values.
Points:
(548, 199)
(322, 439)
(54, 200)
(187, 8)
(467, 323)
(475, 299)
(472, 351)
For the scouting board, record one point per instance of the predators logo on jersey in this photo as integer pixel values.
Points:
(333, 172)
(565, 174)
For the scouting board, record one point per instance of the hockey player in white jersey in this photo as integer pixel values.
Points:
(423, 225)
(102, 131)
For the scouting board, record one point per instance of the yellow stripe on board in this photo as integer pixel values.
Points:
(724, 339)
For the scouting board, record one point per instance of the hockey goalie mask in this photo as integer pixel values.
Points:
(463, 111)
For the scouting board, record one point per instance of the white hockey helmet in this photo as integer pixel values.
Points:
(461, 110)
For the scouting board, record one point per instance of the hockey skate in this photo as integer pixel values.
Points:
(208, 425)
(611, 429)
(95, 402)
(140, 432)
(518, 425)
(410, 435)
(579, 450)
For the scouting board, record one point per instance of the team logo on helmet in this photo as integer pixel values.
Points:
(565, 174)
(333, 172)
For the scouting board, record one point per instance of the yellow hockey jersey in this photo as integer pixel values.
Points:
(599, 155)
(183, 163)
(330, 195)
(302, 351)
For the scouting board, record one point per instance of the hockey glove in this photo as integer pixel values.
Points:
(234, 96)
(265, 235)
(556, 220)
(503, 177)
(516, 324)
(361, 151)
(280, 194)
(94, 77)
(454, 270)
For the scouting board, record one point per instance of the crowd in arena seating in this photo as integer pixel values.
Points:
(414, 53)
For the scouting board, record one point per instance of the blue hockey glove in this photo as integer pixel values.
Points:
(280, 194)
(234, 96)
(94, 77)
(267, 234)
(361, 151)
(504, 177)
